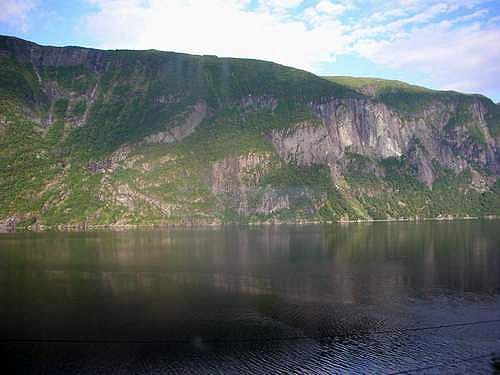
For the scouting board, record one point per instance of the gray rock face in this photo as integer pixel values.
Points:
(259, 102)
(357, 126)
(370, 128)
(54, 56)
(129, 198)
(233, 180)
(306, 143)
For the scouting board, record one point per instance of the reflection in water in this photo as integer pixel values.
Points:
(238, 296)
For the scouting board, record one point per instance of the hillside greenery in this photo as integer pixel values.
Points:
(56, 120)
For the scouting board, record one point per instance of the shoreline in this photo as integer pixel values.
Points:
(82, 227)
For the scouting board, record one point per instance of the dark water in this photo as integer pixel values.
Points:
(358, 298)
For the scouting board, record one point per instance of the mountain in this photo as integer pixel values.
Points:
(137, 137)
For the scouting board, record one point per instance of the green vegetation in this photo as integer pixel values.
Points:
(60, 107)
(377, 83)
(493, 118)
(400, 194)
(17, 82)
(291, 175)
(79, 108)
(76, 78)
(27, 163)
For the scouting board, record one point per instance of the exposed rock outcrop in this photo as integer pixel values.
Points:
(130, 198)
(370, 128)
(259, 102)
(234, 180)
(306, 143)
(31, 53)
(236, 184)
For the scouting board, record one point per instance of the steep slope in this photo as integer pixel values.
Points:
(107, 137)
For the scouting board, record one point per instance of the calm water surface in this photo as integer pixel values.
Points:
(358, 298)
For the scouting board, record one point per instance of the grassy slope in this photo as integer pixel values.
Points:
(47, 176)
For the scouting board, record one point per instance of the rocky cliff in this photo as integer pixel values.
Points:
(127, 137)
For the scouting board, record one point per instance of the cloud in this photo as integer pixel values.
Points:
(326, 6)
(326, 11)
(15, 13)
(284, 4)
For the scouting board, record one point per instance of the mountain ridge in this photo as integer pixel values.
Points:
(361, 82)
(130, 137)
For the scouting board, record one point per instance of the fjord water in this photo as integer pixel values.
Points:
(378, 297)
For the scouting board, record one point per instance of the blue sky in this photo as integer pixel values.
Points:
(443, 44)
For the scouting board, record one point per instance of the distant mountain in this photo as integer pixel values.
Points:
(134, 137)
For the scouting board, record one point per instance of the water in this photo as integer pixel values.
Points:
(357, 298)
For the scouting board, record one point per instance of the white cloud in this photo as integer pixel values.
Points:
(422, 17)
(382, 16)
(478, 14)
(326, 6)
(325, 12)
(15, 13)
(284, 4)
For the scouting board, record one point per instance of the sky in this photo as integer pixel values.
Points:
(441, 44)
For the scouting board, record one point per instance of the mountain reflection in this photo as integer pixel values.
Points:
(314, 280)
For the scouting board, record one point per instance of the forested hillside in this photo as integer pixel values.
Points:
(148, 137)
